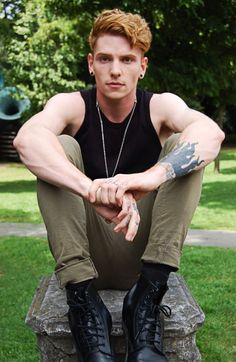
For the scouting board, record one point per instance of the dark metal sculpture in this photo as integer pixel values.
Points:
(13, 103)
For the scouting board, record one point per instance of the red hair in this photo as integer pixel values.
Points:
(132, 26)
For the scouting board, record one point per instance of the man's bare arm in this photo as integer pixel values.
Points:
(200, 137)
(40, 150)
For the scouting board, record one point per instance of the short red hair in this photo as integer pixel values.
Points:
(132, 26)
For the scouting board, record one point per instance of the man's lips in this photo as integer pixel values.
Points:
(115, 84)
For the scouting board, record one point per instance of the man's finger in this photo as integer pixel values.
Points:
(93, 189)
(123, 223)
(132, 228)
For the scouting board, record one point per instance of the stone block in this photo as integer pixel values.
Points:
(47, 317)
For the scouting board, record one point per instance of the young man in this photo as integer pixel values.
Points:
(119, 177)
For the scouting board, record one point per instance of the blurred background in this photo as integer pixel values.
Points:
(43, 48)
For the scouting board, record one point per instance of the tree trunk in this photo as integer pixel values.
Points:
(217, 164)
(220, 118)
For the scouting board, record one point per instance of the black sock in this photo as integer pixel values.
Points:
(157, 272)
(76, 286)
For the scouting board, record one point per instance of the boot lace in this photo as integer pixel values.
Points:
(150, 324)
(89, 327)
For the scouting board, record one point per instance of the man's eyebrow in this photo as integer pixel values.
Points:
(121, 55)
(102, 53)
(129, 55)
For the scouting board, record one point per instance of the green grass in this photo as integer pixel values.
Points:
(210, 275)
(209, 272)
(217, 205)
(18, 202)
(23, 262)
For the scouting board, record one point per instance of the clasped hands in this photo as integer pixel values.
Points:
(116, 203)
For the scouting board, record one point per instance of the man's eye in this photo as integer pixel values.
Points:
(127, 60)
(104, 59)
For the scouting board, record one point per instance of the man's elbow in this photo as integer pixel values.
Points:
(20, 141)
(220, 135)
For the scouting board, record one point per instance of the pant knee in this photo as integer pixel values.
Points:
(169, 144)
(72, 150)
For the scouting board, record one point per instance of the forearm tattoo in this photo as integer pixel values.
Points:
(181, 160)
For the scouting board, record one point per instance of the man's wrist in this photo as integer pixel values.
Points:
(157, 173)
(84, 187)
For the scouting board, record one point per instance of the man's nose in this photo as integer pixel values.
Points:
(115, 68)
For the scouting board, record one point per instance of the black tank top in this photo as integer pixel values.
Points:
(141, 147)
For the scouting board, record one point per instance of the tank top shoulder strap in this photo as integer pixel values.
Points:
(144, 98)
(88, 95)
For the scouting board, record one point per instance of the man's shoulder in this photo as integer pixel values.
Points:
(159, 97)
(69, 107)
(167, 97)
(69, 102)
(165, 106)
(64, 98)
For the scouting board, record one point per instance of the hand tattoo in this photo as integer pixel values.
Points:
(135, 206)
(181, 160)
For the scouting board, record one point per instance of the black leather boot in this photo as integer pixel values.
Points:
(143, 323)
(90, 323)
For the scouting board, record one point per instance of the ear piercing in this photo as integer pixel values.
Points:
(92, 73)
(141, 76)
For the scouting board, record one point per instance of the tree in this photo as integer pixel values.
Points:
(46, 52)
(193, 52)
(195, 44)
(9, 12)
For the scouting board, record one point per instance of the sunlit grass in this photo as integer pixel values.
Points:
(217, 205)
(18, 202)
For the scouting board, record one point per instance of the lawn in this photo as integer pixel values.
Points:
(216, 210)
(209, 272)
(217, 205)
(18, 201)
(23, 262)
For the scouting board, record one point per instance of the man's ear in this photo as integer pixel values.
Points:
(144, 63)
(90, 63)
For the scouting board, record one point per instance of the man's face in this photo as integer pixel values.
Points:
(117, 66)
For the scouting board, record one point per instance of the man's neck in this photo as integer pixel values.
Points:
(116, 110)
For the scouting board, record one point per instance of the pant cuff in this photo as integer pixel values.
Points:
(76, 272)
(169, 257)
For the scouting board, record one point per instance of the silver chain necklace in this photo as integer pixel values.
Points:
(123, 139)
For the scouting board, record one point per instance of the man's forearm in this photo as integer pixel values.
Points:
(44, 157)
(198, 145)
(181, 160)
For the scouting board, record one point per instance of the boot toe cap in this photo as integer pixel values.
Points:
(100, 357)
(147, 354)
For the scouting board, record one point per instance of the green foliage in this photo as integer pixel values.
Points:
(193, 52)
(9, 13)
(46, 53)
(190, 55)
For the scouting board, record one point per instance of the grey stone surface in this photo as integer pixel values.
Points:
(22, 229)
(47, 317)
(219, 238)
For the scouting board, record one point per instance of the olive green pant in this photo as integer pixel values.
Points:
(85, 246)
